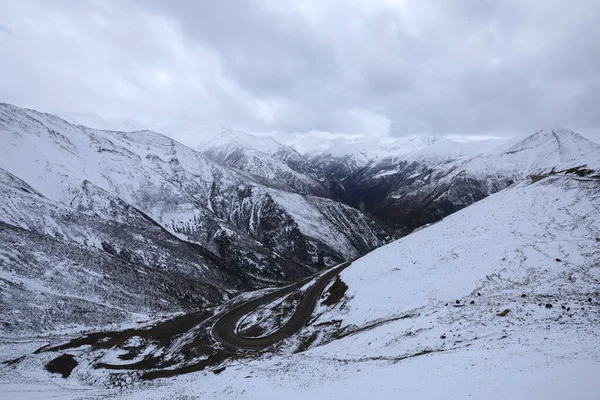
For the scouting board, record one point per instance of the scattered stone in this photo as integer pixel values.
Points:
(563, 307)
(503, 313)
(568, 308)
(548, 305)
(446, 304)
(478, 294)
(457, 301)
(523, 295)
(590, 299)
(443, 337)
(558, 259)
(218, 370)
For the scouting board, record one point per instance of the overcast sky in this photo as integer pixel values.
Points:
(363, 67)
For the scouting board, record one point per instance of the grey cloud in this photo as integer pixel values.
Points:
(347, 66)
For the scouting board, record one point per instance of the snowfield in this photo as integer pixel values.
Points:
(497, 301)
(510, 240)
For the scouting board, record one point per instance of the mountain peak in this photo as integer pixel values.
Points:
(552, 147)
(243, 139)
(556, 136)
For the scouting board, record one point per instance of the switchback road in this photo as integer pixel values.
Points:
(224, 329)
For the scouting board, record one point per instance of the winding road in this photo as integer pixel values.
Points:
(224, 329)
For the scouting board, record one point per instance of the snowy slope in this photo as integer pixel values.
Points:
(274, 164)
(188, 131)
(235, 137)
(238, 217)
(508, 242)
(547, 149)
(425, 185)
(499, 300)
(344, 159)
(97, 262)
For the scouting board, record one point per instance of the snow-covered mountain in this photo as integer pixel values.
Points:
(271, 162)
(499, 299)
(344, 159)
(247, 232)
(104, 228)
(94, 262)
(425, 185)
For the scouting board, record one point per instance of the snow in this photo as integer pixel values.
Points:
(491, 373)
(512, 235)
(309, 220)
(234, 137)
(404, 335)
(165, 179)
(490, 160)
(429, 148)
(538, 153)
(422, 317)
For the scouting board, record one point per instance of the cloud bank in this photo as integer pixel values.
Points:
(342, 67)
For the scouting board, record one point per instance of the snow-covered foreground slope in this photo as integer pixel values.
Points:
(534, 239)
(499, 300)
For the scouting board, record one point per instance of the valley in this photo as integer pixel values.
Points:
(132, 266)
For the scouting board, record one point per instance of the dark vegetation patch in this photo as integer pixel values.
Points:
(62, 365)
(400, 358)
(252, 332)
(353, 330)
(14, 361)
(212, 360)
(307, 342)
(217, 371)
(161, 334)
(335, 292)
(580, 171)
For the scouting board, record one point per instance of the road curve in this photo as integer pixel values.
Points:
(224, 328)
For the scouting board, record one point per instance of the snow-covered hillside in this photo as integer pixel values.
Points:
(498, 300)
(344, 159)
(425, 185)
(74, 186)
(188, 194)
(96, 263)
(274, 164)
